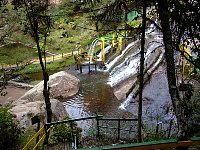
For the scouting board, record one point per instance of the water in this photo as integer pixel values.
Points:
(94, 97)
(38, 75)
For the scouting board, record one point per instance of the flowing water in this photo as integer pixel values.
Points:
(96, 95)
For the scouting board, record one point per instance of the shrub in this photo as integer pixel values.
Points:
(9, 132)
(63, 133)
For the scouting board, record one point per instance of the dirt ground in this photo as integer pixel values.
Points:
(13, 93)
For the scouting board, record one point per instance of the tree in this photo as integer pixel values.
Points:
(8, 21)
(38, 25)
(141, 84)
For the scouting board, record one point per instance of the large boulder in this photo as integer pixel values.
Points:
(24, 112)
(62, 85)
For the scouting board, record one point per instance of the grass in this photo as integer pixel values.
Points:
(16, 53)
(67, 35)
(56, 65)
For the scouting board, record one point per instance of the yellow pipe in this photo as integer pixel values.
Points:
(103, 50)
(113, 40)
(41, 139)
(33, 138)
(183, 68)
(186, 54)
(120, 44)
(190, 70)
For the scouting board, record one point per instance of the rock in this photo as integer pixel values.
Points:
(24, 112)
(62, 85)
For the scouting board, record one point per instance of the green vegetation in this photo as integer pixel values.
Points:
(9, 131)
(25, 137)
(56, 65)
(64, 133)
(16, 54)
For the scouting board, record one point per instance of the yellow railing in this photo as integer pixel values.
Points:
(30, 142)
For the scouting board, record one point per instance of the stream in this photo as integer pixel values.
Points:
(96, 88)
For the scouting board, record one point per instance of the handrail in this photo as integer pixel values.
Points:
(33, 138)
(41, 139)
(72, 120)
(118, 119)
(48, 126)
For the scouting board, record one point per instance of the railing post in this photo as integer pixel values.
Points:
(81, 69)
(95, 66)
(118, 129)
(170, 127)
(97, 119)
(71, 125)
(157, 128)
(46, 138)
(38, 128)
(89, 66)
(35, 120)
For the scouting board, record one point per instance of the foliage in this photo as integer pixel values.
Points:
(25, 137)
(9, 131)
(63, 132)
(9, 22)
(185, 22)
(190, 110)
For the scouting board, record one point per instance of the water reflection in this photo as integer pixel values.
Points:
(94, 97)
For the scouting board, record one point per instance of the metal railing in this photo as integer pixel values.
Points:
(44, 132)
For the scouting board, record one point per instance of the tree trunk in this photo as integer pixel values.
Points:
(169, 52)
(45, 74)
(141, 85)
(169, 55)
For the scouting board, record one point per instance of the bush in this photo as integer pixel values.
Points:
(9, 132)
(63, 133)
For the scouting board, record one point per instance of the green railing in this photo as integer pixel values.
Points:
(161, 144)
(45, 130)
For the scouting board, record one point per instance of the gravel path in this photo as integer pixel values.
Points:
(13, 93)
